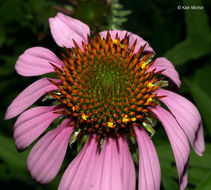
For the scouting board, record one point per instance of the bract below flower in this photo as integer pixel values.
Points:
(109, 88)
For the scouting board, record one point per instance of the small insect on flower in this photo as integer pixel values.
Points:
(109, 88)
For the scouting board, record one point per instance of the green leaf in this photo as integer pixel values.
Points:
(169, 183)
(194, 174)
(2, 37)
(197, 167)
(13, 162)
(201, 93)
(206, 183)
(198, 40)
(121, 13)
(9, 154)
(69, 8)
(202, 77)
(13, 166)
(203, 102)
(117, 6)
(197, 22)
(189, 50)
(116, 20)
(8, 67)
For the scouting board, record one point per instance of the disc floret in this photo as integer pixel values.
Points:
(105, 86)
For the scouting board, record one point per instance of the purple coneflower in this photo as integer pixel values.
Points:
(109, 88)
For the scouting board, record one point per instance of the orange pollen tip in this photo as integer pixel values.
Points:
(111, 125)
(149, 85)
(73, 108)
(84, 117)
(125, 119)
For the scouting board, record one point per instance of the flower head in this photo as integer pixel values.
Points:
(110, 88)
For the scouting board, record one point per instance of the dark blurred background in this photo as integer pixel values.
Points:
(183, 36)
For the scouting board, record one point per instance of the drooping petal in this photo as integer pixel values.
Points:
(36, 61)
(28, 96)
(46, 157)
(107, 173)
(162, 63)
(132, 37)
(126, 165)
(187, 116)
(178, 140)
(149, 167)
(64, 29)
(32, 123)
(78, 174)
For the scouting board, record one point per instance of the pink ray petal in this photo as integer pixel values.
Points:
(140, 42)
(169, 69)
(78, 174)
(132, 38)
(121, 34)
(28, 96)
(32, 123)
(126, 164)
(36, 61)
(187, 116)
(178, 140)
(46, 157)
(64, 29)
(107, 174)
(149, 167)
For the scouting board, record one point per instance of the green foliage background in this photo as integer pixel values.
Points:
(184, 37)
